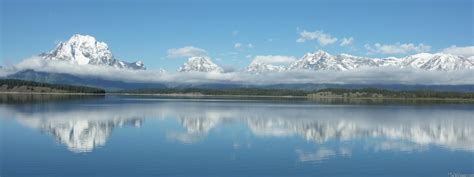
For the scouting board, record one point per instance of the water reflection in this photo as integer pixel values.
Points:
(78, 133)
(196, 128)
(83, 127)
(82, 135)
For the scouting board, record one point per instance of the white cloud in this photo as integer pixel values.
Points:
(235, 33)
(274, 59)
(237, 45)
(188, 51)
(397, 48)
(346, 41)
(376, 75)
(228, 54)
(463, 51)
(322, 38)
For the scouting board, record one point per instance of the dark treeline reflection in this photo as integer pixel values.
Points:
(378, 101)
(48, 98)
(84, 126)
(42, 98)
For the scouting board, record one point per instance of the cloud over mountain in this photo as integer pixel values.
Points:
(374, 75)
(467, 51)
(346, 41)
(397, 48)
(273, 59)
(187, 51)
(322, 38)
(86, 57)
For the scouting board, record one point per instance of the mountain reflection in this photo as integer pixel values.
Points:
(80, 134)
(196, 128)
(396, 128)
(84, 135)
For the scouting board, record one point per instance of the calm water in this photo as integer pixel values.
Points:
(146, 136)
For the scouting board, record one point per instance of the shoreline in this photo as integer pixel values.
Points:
(236, 96)
(49, 93)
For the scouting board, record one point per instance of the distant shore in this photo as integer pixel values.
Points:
(195, 95)
(50, 93)
(21, 87)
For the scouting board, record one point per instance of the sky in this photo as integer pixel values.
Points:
(163, 34)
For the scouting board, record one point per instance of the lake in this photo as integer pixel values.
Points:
(161, 136)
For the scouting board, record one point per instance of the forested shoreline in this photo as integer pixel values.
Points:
(22, 86)
(323, 93)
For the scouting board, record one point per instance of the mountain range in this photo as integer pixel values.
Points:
(323, 61)
(86, 50)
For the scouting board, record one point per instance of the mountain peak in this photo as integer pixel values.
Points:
(86, 41)
(200, 64)
(80, 37)
(86, 50)
(422, 55)
(321, 52)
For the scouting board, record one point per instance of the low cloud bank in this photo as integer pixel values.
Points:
(467, 51)
(378, 75)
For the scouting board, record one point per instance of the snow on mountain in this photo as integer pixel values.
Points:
(321, 60)
(390, 61)
(200, 64)
(258, 67)
(84, 50)
(437, 61)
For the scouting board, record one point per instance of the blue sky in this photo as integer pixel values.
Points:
(146, 30)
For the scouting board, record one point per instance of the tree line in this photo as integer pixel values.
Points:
(229, 91)
(12, 83)
(368, 92)
(365, 92)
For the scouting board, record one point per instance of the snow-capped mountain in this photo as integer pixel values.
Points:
(257, 67)
(200, 64)
(437, 61)
(86, 50)
(321, 60)
(390, 61)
